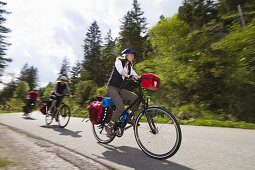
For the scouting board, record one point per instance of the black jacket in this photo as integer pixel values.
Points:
(116, 78)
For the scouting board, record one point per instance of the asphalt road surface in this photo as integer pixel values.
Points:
(202, 147)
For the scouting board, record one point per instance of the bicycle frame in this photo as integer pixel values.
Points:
(135, 106)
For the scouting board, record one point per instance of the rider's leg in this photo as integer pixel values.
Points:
(113, 92)
(53, 103)
(128, 95)
(131, 97)
(27, 106)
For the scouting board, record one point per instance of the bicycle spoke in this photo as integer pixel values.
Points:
(163, 140)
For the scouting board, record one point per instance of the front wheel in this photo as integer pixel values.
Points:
(157, 132)
(64, 115)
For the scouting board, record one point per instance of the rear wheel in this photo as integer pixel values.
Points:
(48, 118)
(64, 115)
(100, 133)
(158, 133)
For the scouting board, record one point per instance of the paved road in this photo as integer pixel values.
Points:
(202, 147)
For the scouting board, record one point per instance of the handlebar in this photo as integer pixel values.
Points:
(61, 95)
(136, 80)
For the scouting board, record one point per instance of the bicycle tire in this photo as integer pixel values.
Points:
(100, 134)
(148, 140)
(48, 118)
(63, 115)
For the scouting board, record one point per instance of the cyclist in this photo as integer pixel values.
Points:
(32, 96)
(123, 68)
(59, 89)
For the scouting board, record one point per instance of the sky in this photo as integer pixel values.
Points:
(44, 32)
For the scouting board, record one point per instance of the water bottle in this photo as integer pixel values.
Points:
(124, 117)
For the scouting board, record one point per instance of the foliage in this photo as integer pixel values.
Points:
(197, 13)
(85, 90)
(131, 30)
(7, 92)
(21, 91)
(48, 90)
(237, 55)
(75, 75)
(65, 67)
(3, 42)
(229, 6)
(203, 71)
(92, 53)
(29, 75)
(108, 57)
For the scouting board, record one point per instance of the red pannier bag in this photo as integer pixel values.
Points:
(150, 81)
(95, 111)
(43, 109)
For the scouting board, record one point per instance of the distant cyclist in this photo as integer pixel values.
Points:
(123, 68)
(59, 89)
(32, 97)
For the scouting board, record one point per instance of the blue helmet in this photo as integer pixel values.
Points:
(127, 51)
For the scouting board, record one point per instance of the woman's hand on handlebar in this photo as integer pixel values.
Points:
(134, 77)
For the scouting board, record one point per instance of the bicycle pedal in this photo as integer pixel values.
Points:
(128, 127)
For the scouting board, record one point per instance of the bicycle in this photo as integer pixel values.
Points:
(61, 113)
(28, 109)
(156, 130)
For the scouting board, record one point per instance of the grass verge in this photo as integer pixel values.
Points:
(4, 162)
(217, 123)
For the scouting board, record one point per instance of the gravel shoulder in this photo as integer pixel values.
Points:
(30, 152)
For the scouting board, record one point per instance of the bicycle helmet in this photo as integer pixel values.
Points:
(63, 78)
(127, 51)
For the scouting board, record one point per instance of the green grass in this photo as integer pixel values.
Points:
(4, 162)
(208, 122)
(217, 123)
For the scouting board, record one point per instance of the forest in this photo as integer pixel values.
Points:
(204, 56)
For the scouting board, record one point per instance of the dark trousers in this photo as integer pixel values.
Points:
(30, 101)
(117, 95)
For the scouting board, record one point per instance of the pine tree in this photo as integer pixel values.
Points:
(92, 53)
(75, 75)
(29, 75)
(3, 43)
(197, 12)
(229, 6)
(65, 67)
(131, 30)
(108, 56)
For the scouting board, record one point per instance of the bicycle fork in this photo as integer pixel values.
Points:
(150, 121)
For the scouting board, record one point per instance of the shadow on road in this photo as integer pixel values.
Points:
(29, 118)
(135, 158)
(62, 131)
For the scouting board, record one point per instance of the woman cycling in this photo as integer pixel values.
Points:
(59, 89)
(123, 68)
